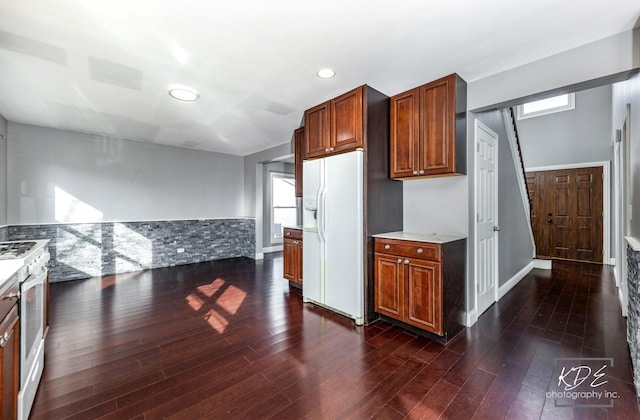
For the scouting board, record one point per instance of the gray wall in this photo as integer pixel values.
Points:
(267, 169)
(3, 171)
(64, 176)
(515, 248)
(629, 93)
(253, 184)
(576, 136)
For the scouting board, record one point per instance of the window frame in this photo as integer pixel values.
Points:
(569, 106)
(273, 175)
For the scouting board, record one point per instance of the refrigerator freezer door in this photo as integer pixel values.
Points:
(343, 206)
(313, 254)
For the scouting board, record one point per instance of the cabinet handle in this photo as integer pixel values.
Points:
(4, 338)
(421, 172)
(419, 251)
(326, 150)
(399, 260)
(387, 246)
(415, 172)
(12, 295)
(406, 261)
(331, 149)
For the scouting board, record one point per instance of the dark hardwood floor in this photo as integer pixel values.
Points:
(230, 339)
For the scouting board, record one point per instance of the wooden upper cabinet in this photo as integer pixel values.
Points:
(317, 130)
(298, 143)
(346, 121)
(405, 133)
(428, 130)
(335, 126)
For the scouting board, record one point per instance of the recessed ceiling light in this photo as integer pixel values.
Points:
(326, 73)
(184, 94)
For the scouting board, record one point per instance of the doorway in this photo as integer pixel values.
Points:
(567, 213)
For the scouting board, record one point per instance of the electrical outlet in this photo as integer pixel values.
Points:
(180, 250)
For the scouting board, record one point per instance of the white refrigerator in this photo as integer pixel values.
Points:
(333, 224)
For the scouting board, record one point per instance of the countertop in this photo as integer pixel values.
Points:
(434, 238)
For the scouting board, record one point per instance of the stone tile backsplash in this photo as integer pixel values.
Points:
(81, 250)
(4, 234)
(633, 312)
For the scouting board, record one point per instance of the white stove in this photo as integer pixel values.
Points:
(33, 258)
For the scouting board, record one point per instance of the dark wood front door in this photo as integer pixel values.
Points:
(566, 213)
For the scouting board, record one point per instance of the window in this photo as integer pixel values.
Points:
(547, 106)
(283, 204)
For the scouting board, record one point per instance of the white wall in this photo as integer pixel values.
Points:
(64, 176)
(609, 56)
(436, 205)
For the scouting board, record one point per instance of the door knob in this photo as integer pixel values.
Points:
(496, 228)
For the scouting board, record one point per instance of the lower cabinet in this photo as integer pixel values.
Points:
(292, 257)
(421, 284)
(9, 363)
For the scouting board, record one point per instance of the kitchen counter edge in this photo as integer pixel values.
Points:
(434, 238)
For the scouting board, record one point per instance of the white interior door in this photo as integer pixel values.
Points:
(486, 193)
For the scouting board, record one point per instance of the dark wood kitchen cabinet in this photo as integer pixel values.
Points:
(428, 130)
(298, 147)
(292, 255)
(335, 126)
(9, 351)
(421, 284)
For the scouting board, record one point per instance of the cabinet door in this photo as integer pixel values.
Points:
(405, 134)
(316, 131)
(437, 127)
(346, 121)
(389, 287)
(10, 362)
(298, 141)
(289, 259)
(424, 296)
(298, 262)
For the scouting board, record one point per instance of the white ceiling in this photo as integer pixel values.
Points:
(106, 66)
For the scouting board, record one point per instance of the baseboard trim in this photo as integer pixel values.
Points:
(612, 261)
(268, 249)
(510, 284)
(471, 318)
(542, 264)
(621, 300)
(259, 256)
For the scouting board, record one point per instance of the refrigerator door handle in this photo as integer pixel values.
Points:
(322, 211)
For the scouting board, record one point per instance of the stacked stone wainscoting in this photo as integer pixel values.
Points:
(82, 250)
(633, 313)
(4, 234)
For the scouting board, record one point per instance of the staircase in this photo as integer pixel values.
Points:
(509, 117)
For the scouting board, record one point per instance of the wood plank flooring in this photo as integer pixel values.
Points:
(230, 339)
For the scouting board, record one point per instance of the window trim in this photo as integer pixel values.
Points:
(571, 105)
(273, 175)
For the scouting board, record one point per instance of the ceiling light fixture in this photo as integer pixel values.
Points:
(184, 94)
(326, 73)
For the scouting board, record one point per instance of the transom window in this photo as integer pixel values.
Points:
(547, 106)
